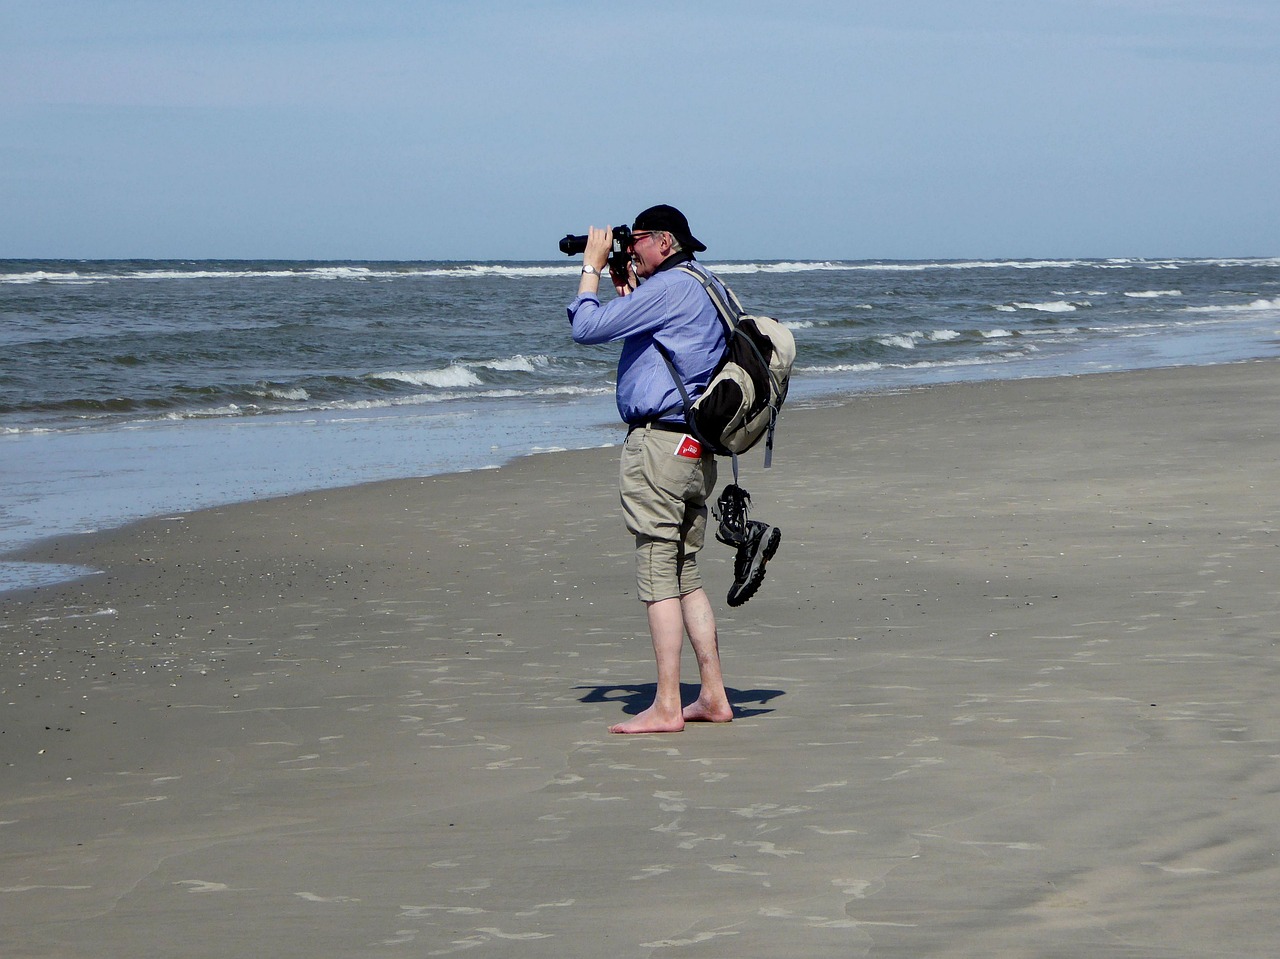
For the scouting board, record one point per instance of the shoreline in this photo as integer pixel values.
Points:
(271, 458)
(132, 497)
(1007, 688)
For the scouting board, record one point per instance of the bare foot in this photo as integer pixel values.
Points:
(700, 712)
(650, 721)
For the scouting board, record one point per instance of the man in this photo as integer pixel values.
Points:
(666, 476)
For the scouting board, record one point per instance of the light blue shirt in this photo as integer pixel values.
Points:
(670, 308)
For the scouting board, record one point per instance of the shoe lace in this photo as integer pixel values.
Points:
(731, 510)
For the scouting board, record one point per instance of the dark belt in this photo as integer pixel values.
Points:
(665, 425)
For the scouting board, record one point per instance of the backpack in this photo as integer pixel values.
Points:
(740, 405)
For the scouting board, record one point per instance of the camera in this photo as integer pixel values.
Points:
(619, 254)
(573, 245)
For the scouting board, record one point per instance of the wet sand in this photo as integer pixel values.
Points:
(1009, 689)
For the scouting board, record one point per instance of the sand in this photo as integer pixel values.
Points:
(1009, 689)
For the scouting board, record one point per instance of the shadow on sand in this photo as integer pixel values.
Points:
(636, 699)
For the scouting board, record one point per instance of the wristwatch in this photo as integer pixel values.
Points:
(588, 268)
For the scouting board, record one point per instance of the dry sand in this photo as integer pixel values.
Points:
(1009, 689)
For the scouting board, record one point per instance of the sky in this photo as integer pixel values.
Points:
(487, 129)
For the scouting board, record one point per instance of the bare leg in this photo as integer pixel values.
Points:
(712, 704)
(666, 625)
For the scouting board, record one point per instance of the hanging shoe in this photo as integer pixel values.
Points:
(748, 566)
(731, 510)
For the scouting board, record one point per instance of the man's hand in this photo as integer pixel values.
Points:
(596, 256)
(629, 283)
(599, 246)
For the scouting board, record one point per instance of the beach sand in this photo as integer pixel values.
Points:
(1009, 689)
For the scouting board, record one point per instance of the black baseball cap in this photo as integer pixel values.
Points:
(670, 220)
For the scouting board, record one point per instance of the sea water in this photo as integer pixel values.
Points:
(135, 388)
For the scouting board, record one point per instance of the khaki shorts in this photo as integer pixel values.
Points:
(664, 500)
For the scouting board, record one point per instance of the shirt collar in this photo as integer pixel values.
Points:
(674, 260)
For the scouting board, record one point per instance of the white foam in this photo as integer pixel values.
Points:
(518, 364)
(345, 272)
(1051, 306)
(213, 412)
(1132, 263)
(1057, 331)
(919, 364)
(572, 266)
(43, 276)
(1126, 327)
(452, 376)
(444, 396)
(1237, 307)
(1241, 261)
(282, 394)
(907, 342)
(841, 368)
(574, 391)
(790, 266)
(210, 274)
(440, 396)
(1153, 294)
(966, 361)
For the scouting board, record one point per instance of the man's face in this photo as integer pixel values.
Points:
(648, 249)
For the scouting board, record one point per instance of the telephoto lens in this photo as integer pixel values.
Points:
(573, 245)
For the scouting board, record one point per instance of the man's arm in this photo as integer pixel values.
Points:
(642, 311)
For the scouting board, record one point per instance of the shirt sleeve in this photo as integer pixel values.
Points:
(643, 311)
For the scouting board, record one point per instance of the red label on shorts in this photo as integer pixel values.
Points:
(689, 447)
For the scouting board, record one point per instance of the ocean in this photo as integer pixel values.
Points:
(144, 387)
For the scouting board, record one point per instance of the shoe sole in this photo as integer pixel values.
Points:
(755, 576)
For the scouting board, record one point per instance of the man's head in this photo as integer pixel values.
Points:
(657, 234)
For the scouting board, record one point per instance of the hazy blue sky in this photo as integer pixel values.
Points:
(435, 129)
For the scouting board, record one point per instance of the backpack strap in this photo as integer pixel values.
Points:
(730, 319)
(730, 312)
(730, 309)
(691, 421)
(684, 393)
